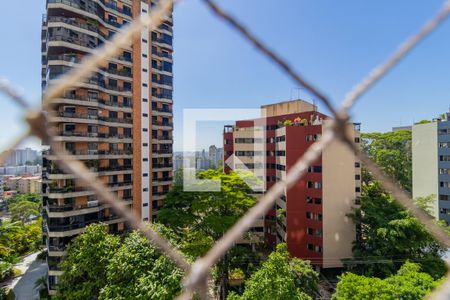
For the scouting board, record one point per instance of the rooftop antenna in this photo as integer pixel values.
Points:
(298, 92)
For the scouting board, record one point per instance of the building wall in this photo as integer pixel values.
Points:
(425, 162)
(297, 222)
(286, 108)
(340, 179)
(443, 144)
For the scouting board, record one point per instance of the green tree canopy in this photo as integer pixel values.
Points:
(32, 197)
(388, 236)
(23, 210)
(280, 277)
(139, 271)
(207, 213)
(84, 266)
(392, 152)
(98, 265)
(409, 283)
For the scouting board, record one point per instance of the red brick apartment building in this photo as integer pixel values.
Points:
(118, 122)
(311, 217)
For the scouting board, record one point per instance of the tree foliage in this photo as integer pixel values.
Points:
(280, 277)
(408, 284)
(32, 197)
(392, 152)
(426, 203)
(99, 266)
(84, 266)
(17, 239)
(23, 211)
(388, 236)
(202, 217)
(139, 271)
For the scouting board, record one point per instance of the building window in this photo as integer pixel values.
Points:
(144, 41)
(145, 145)
(144, 204)
(357, 140)
(145, 189)
(445, 184)
(145, 85)
(444, 197)
(309, 200)
(357, 165)
(145, 159)
(312, 137)
(317, 200)
(314, 185)
(357, 189)
(315, 169)
(357, 177)
(145, 175)
(145, 115)
(144, 129)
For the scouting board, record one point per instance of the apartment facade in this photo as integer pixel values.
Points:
(118, 122)
(431, 164)
(311, 217)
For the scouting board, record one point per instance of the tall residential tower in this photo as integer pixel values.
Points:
(431, 164)
(118, 122)
(311, 217)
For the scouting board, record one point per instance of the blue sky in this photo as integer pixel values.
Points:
(332, 43)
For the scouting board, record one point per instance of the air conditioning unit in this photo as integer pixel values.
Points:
(92, 203)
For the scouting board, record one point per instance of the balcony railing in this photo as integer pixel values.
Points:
(163, 151)
(161, 166)
(162, 179)
(163, 110)
(83, 224)
(98, 100)
(94, 117)
(167, 124)
(93, 134)
(95, 152)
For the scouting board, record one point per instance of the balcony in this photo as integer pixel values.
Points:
(72, 58)
(162, 151)
(93, 135)
(93, 117)
(80, 225)
(163, 54)
(91, 154)
(162, 180)
(78, 191)
(163, 109)
(162, 124)
(77, 4)
(73, 22)
(97, 100)
(73, 41)
(116, 8)
(162, 166)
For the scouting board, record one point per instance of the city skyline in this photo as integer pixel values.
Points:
(257, 81)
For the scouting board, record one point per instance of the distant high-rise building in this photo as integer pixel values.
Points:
(215, 156)
(118, 122)
(203, 162)
(311, 217)
(431, 164)
(20, 157)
